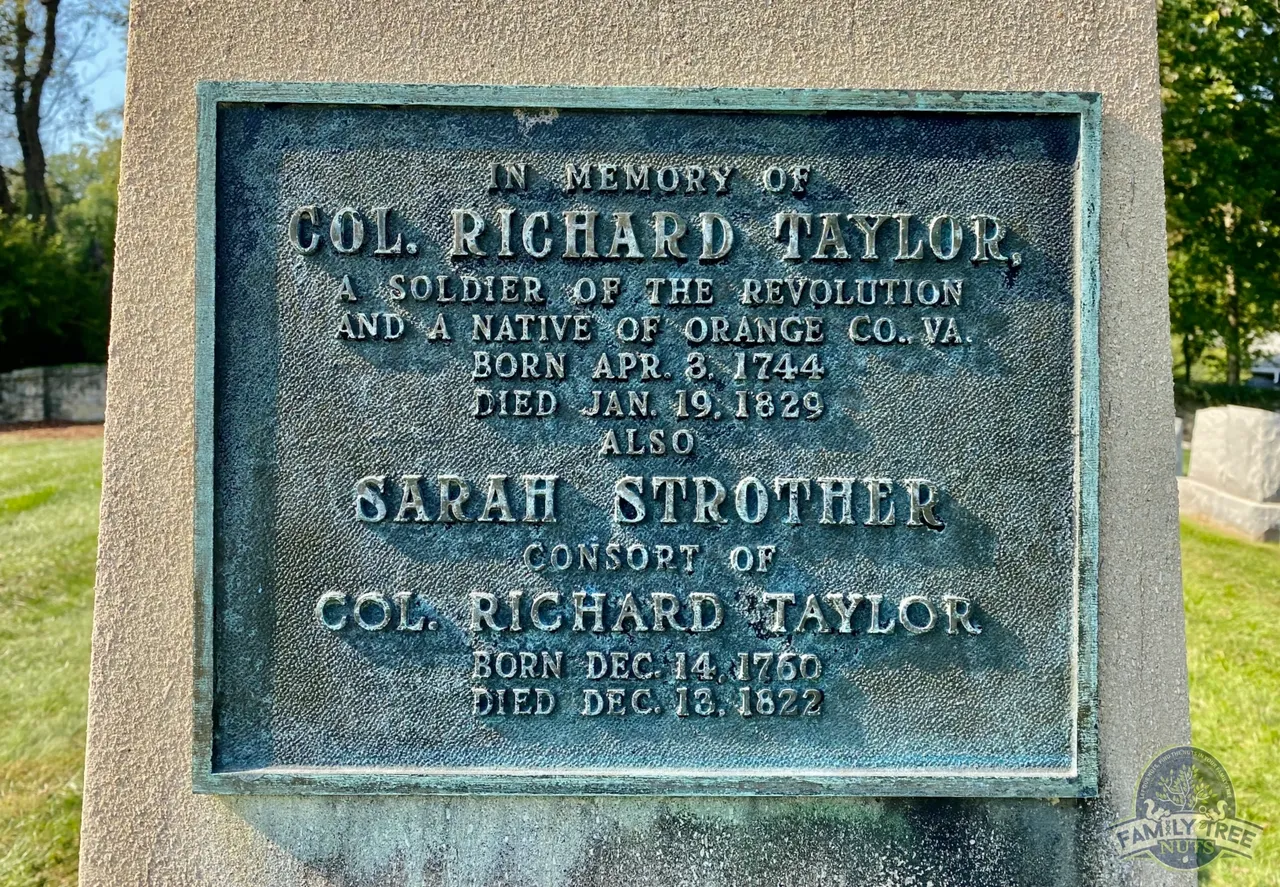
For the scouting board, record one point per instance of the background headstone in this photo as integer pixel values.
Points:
(1178, 446)
(1234, 477)
(142, 822)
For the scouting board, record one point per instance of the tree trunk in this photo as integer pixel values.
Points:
(6, 201)
(28, 91)
(1188, 358)
(1233, 337)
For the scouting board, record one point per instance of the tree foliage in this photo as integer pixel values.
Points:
(57, 212)
(1220, 71)
(55, 287)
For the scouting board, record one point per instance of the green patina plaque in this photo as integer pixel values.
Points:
(646, 441)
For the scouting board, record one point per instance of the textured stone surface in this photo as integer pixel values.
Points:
(1237, 450)
(142, 823)
(1257, 520)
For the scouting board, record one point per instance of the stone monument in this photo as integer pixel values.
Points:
(1179, 448)
(1234, 477)
(651, 479)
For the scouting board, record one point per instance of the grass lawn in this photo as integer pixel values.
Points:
(49, 487)
(1232, 593)
(49, 490)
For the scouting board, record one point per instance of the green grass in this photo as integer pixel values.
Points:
(48, 524)
(49, 492)
(1232, 592)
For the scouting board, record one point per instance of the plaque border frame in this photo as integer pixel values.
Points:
(1080, 780)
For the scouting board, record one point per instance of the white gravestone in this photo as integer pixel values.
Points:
(1235, 470)
(1178, 427)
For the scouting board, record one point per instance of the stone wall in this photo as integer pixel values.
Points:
(74, 393)
(22, 395)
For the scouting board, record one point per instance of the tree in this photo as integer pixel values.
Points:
(83, 184)
(1192, 317)
(7, 207)
(1220, 72)
(55, 279)
(33, 270)
(29, 56)
(55, 287)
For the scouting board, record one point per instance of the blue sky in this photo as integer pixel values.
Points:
(96, 83)
(97, 78)
(107, 90)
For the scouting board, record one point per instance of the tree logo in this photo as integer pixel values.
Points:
(1185, 813)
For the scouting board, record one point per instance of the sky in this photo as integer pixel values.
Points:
(96, 81)
(107, 90)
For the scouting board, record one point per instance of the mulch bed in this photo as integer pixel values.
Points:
(53, 430)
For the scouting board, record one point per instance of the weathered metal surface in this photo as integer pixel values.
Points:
(351, 640)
